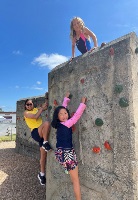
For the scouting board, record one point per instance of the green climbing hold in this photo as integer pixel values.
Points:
(123, 102)
(118, 88)
(136, 50)
(99, 122)
(50, 107)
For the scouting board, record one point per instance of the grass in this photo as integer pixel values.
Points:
(8, 138)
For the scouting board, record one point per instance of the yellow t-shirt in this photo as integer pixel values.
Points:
(33, 123)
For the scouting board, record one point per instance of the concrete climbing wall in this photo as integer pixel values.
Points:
(106, 136)
(24, 142)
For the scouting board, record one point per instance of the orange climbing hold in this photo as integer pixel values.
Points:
(96, 149)
(107, 145)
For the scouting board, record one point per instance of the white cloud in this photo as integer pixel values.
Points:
(38, 82)
(36, 88)
(50, 61)
(18, 52)
(2, 106)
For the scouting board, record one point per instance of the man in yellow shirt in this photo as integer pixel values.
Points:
(39, 132)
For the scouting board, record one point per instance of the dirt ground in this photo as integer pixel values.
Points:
(18, 175)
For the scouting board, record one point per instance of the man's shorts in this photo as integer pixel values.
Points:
(36, 137)
(67, 158)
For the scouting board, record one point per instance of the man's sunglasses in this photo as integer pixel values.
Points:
(29, 104)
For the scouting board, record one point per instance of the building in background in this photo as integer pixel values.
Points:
(7, 123)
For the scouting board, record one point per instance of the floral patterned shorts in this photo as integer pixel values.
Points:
(67, 158)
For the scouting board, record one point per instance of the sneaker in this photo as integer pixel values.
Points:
(46, 147)
(66, 172)
(42, 179)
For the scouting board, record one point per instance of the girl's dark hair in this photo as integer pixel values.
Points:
(55, 120)
(26, 102)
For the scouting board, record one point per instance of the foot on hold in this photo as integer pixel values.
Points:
(46, 147)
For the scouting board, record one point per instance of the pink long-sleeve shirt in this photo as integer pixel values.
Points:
(70, 122)
(64, 130)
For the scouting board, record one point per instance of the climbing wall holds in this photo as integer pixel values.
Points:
(118, 88)
(73, 128)
(99, 122)
(55, 103)
(50, 107)
(136, 50)
(111, 51)
(82, 80)
(123, 102)
(107, 145)
(96, 149)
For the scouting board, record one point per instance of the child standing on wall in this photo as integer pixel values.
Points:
(80, 36)
(65, 153)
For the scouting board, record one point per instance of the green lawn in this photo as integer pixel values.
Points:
(8, 138)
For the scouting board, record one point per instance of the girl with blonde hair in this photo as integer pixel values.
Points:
(80, 36)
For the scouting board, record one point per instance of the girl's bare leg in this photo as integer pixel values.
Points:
(76, 183)
(44, 130)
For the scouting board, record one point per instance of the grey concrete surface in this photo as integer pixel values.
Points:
(110, 174)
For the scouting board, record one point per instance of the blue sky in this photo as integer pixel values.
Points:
(34, 38)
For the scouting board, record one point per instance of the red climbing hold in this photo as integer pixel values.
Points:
(96, 149)
(82, 80)
(111, 51)
(73, 128)
(107, 145)
(55, 102)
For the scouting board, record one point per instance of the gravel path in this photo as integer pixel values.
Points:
(18, 175)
